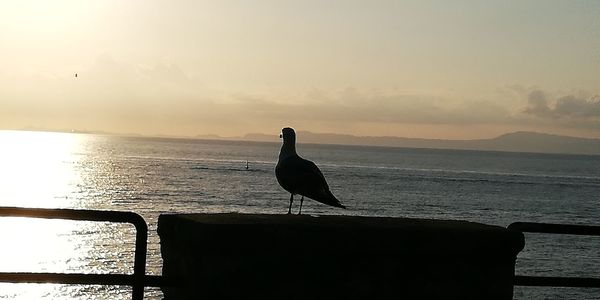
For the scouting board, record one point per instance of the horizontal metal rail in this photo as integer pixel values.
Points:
(76, 278)
(138, 280)
(555, 228)
(579, 282)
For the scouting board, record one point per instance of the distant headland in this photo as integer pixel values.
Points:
(520, 141)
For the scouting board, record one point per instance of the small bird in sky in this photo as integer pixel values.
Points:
(299, 176)
(75, 75)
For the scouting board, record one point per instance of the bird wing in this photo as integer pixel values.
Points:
(317, 175)
(317, 187)
(303, 177)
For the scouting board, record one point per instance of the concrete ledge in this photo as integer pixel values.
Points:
(235, 256)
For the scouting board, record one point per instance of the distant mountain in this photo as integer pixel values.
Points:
(521, 141)
(549, 143)
(209, 137)
(515, 142)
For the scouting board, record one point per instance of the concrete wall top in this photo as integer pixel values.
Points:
(236, 256)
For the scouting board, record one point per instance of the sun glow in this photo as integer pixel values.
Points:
(48, 19)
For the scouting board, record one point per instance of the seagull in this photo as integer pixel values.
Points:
(300, 176)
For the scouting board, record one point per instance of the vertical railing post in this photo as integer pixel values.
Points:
(139, 264)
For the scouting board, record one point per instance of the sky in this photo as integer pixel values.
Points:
(430, 69)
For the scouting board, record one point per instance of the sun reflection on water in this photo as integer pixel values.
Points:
(38, 168)
(42, 169)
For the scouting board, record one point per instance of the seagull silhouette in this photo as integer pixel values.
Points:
(299, 176)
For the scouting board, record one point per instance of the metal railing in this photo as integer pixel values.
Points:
(138, 280)
(579, 282)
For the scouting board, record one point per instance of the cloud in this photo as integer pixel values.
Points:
(537, 104)
(353, 105)
(570, 107)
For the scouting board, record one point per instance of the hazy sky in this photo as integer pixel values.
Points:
(436, 69)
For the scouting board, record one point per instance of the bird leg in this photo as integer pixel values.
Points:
(291, 200)
(301, 200)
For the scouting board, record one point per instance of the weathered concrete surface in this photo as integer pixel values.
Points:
(242, 256)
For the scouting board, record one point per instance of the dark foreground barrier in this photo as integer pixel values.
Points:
(138, 280)
(241, 256)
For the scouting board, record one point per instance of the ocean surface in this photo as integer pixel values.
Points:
(152, 176)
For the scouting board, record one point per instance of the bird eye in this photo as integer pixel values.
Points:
(280, 135)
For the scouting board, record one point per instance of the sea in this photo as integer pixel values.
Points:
(152, 176)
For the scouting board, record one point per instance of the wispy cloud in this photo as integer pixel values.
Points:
(162, 97)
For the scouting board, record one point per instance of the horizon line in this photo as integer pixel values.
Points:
(244, 137)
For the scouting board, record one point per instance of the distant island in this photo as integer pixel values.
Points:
(521, 141)
(514, 142)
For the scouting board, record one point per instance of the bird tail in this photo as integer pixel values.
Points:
(333, 201)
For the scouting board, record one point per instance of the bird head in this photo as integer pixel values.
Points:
(288, 134)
